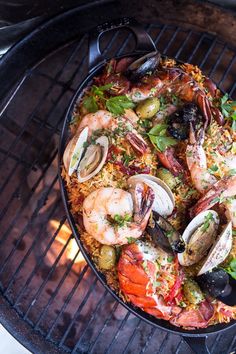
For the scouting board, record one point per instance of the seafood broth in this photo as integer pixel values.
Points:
(150, 173)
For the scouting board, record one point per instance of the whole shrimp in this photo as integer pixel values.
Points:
(112, 215)
(103, 119)
(219, 193)
(178, 82)
(196, 161)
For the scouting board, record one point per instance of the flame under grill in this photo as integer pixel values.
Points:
(43, 275)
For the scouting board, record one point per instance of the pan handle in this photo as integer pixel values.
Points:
(198, 344)
(144, 42)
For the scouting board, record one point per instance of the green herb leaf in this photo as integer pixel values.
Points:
(99, 90)
(231, 269)
(228, 109)
(213, 168)
(127, 158)
(131, 239)
(159, 138)
(90, 104)
(118, 104)
(232, 172)
(170, 259)
(122, 220)
(207, 218)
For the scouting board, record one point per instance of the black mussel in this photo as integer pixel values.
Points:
(219, 284)
(142, 66)
(179, 121)
(214, 282)
(164, 235)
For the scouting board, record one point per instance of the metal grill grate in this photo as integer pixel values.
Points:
(42, 273)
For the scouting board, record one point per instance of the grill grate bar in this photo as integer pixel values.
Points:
(55, 292)
(210, 49)
(153, 330)
(39, 261)
(157, 39)
(171, 40)
(218, 60)
(26, 228)
(179, 346)
(92, 345)
(11, 282)
(232, 90)
(132, 337)
(16, 158)
(47, 92)
(164, 342)
(189, 34)
(22, 208)
(99, 304)
(216, 341)
(190, 58)
(47, 277)
(78, 312)
(226, 72)
(67, 301)
(123, 322)
(232, 346)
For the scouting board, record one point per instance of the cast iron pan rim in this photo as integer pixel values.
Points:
(151, 320)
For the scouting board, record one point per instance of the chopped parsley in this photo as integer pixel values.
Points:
(169, 233)
(228, 109)
(232, 172)
(207, 218)
(145, 267)
(159, 138)
(131, 239)
(90, 104)
(231, 269)
(214, 168)
(170, 259)
(127, 158)
(121, 221)
(156, 283)
(162, 103)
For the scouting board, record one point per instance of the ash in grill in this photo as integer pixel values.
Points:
(43, 276)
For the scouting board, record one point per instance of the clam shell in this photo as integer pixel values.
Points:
(104, 143)
(209, 237)
(74, 151)
(164, 199)
(219, 251)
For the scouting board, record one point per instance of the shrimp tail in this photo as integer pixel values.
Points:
(224, 188)
(137, 142)
(205, 107)
(143, 197)
(169, 161)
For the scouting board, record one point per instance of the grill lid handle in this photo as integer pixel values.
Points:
(144, 42)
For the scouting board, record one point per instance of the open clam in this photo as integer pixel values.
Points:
(219, 250)
(93, 160)
(164, 199)
(199, 236)
(74, 150)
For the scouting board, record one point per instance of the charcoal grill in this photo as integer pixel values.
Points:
(50, 299)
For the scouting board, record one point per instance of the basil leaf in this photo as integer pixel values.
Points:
(159, 139)
(90, 104)
(118, 104)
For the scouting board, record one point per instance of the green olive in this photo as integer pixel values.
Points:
(107, 257)
(166, 177)
(192, 292)
(148, 108)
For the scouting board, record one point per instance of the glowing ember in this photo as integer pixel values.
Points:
(62, 237)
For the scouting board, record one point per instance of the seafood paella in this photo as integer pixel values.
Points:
(150, 173)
